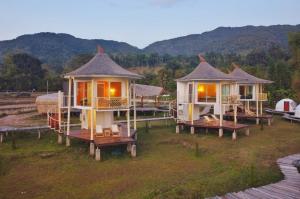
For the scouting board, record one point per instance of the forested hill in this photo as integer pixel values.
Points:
(56, 49)
(240, 40)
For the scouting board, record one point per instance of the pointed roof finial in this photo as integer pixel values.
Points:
(100, 49)
(201, 58)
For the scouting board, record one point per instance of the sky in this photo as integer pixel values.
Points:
(139, 22)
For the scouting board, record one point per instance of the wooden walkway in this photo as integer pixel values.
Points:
(289, 188)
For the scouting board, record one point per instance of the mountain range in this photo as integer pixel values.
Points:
(55, 49)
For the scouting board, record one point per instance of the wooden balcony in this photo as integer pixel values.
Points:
(262, 97)
(112, 102)
(230, 99)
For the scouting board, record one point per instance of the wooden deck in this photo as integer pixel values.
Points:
(229, 125)
(84, 134)
(289, 188)
(247, 116)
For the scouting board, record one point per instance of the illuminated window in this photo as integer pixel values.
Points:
(206, 92)
(115, 89)
(102, 89)
(83, 95)
(246, 91)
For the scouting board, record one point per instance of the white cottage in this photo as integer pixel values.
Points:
(251, 90)
(98, 89)
(206, 90)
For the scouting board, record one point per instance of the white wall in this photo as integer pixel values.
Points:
(104, 118)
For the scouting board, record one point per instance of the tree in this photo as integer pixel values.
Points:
(77, 61)
(22, 72)
(294, 44)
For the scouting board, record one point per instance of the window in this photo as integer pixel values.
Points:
(225, 90)
(102, 89)
(190, 95)
(83, 96)
(246, 91)
(206, 92)
(115, 89)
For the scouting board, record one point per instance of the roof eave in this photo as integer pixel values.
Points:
(95, 75)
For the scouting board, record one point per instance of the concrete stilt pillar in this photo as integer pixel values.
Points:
(206, 130)
(6, 133)
(177, 129)
(119, 114)
(39, 134)
(269, 122)
(1, 138)
(59, 138)
(234, 135)
(135, 136)
(257, 120)
(98, 154)
(68, 141)
(92, 148)
(181, 127)
(192, 130)
(133, 150)
(129, 147)
(220, 133)
(149, 124)
(247, 131)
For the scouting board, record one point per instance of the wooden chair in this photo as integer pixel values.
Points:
(214, 117)
(115, 130)
(248, 112)
(207, 119)
(99, 131)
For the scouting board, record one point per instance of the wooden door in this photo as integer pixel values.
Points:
(286, 106)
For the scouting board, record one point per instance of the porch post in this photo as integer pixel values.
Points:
(257, 88)
(193, 99)
(92, 111)
(59, 110)
(261, 102)
(235, 113)
(221, 106)
(128, 122)
(134, 107)
(69, 112)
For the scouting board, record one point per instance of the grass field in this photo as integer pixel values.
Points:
(168, 165)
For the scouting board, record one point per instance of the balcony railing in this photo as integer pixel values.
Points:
(230, 99)
(64, 101)
(112, 102)
(262, 96)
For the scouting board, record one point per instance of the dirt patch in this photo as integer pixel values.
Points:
(22, 120)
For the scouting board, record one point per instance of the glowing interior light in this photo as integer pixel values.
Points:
(112, 91)
(201, 89)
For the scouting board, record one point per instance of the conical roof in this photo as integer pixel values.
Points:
(247, 78)
(204, 71)
(101, 65)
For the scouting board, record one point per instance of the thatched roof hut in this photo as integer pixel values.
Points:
(247, 78)
(47, 103)
(101, 65)
(142, 90)
(205, 72)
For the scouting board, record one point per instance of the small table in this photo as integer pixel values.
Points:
(107, 132)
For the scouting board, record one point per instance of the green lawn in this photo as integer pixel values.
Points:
(167, 166)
